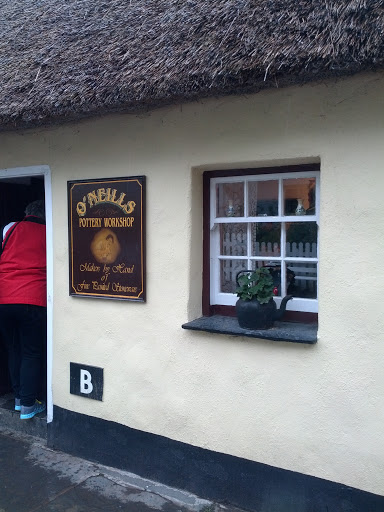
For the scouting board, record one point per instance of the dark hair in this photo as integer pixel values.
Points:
(36, 208)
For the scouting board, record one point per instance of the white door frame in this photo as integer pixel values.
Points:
(43, 170)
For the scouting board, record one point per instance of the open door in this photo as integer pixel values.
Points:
(18, 188)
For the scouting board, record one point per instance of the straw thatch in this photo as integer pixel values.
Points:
(63, 60)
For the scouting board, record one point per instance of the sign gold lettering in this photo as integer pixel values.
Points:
(107, 238)
(95, 197)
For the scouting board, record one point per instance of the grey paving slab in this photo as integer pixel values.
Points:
(35, 478)
(9, 418)
(100, 494)
(22, 484)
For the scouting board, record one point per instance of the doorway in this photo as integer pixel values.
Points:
(18, 188)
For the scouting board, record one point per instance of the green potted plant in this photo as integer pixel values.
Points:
(255, 308)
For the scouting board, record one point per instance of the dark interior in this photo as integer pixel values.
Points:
(15, 194)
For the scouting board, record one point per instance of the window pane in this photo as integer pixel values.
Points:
(301, 238)
(275, 271)
(228, 273)
(233, 239)
(263, 198)
(299, 196)
(304, 283)
(230, 199)
(266, 239)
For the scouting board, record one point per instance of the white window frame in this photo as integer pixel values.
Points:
(229, 299)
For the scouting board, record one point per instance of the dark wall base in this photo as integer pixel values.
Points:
(211, 475)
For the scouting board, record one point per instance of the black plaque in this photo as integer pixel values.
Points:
(87, 381)
(107, 238)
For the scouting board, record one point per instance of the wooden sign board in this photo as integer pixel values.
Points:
(107, 238)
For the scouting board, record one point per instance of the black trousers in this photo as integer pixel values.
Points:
(24, 330)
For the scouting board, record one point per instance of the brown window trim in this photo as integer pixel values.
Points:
(209, 309)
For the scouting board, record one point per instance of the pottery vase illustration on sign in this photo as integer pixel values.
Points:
(300, 210)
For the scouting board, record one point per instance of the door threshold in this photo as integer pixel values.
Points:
(10, 419)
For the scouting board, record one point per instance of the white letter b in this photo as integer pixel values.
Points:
(86, 385)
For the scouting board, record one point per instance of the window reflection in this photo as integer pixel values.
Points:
(299, 196)
(228, 272)
(230, 200)
(233, 239)
(266, 239)
(263, 198)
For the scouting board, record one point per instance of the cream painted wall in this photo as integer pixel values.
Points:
(314, 409)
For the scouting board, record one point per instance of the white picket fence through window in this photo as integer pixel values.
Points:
(235, 244)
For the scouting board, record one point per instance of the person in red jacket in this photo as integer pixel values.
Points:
(23, 307)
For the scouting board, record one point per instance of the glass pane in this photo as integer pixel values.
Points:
(228, 273)
(304, 282)
(230, 199)
(275, 271)
(233, 239)
(263, 198)
(301, 238)
(266, 239)
(299, 196)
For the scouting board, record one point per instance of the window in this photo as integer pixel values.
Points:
(263, 218)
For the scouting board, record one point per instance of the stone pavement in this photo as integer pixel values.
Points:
(10, 419)
(34, 478)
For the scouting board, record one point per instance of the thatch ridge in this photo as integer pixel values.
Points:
(63, 60)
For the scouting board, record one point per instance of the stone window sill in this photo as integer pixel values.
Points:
(282, 331)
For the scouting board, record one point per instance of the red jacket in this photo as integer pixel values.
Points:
(23, 276)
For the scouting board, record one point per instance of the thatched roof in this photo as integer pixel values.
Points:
(68, 59)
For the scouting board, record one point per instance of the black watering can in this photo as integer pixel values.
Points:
(251, 314)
